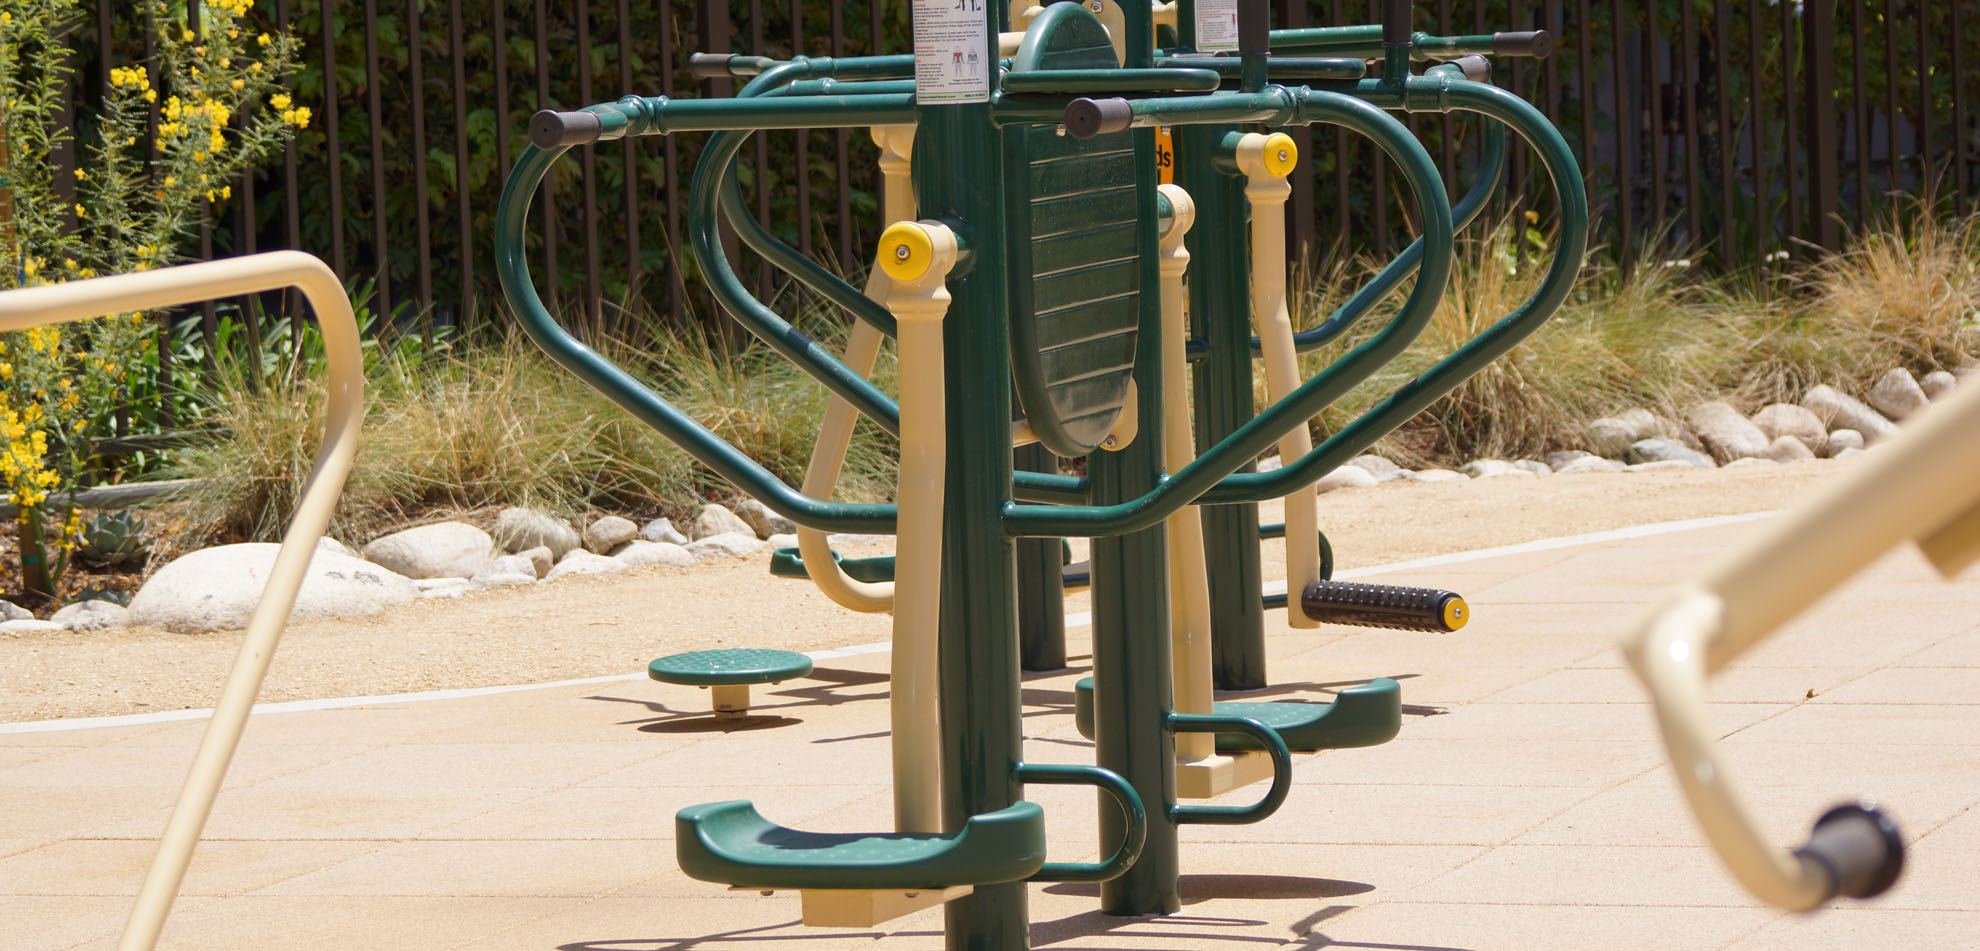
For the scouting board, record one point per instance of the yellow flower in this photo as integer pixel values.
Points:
(80, 211)
(5, 18)
(280, 101)
(30, 266)
(254, 68)
(199, 156)
(226, 62)
(233, 33)
(239, 84)
(150, 95)
(81, 174)
(211, 195)
(69, 263)
(187, 37)
(264, 39)
(169, 182)
(201, 50)
(227, 191)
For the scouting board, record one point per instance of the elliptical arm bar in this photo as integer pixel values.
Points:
(658, 115)
(1279, 69)
(171, 287)
(645, 405)
(1365, 43)
(1277, 105)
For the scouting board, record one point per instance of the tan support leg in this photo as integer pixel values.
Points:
(1266, 160)
(731, 700)
(863, 908)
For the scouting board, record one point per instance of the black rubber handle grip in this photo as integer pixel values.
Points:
(1382, 605)
(709, 65)
(1861, 848)
(1254, 27)
(551, 129)
(1086, 118)
(1398, 22)
(1476, 66)
(1536, 44)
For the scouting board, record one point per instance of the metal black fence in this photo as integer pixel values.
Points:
(1740, 131)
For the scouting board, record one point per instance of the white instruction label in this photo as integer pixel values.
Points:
(953, 61)
(1216, 26)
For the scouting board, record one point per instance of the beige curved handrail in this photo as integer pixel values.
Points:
(190, 284)
(1923, 487)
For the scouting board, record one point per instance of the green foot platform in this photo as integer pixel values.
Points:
(729, 673)
(731, 843)
(1368, 715)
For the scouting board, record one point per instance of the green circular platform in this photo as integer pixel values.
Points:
(739, 666)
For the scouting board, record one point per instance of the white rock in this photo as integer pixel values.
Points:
(716, 520)
(1786, 419)
(541, 560)
(326, 543)
(440, 550)
(1896, 394)
(1789, 449)
(92, 615)
(1377, 466)
(782, 540)
(517, 529)
(1847, 452)
(763, 521)
(492, 579)
(1559, 458)
(1345, 477)
(724, 545)
(513, 565)
(581, 562)
(1661, 465)
(608, 533)
(1587, 464)
(1666, 450)
(1609, 436)
(25, 625)
(217, 588)
(1937, 385)
(1269, 464)
(442, 588)
(1753, 461)
(1843, 439)
(1439, 475)
(654, 553)
(1534, 466)
(663, 530)
(9, 611)
(1727, 433)
(1842, 411)
(1491, 469)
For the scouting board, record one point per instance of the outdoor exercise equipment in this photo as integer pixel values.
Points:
(176, 287)
(1919, 488)
(1036, 299)
(728, 674)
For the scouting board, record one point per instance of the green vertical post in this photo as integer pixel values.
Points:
(1041, 584)
(959, 178)
(1133, 694)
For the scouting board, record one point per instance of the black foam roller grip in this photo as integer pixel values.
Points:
(1861, 848)
(1476, 67)
(1381, 605)
(1254, 27)
(709, 65)
(1398, 22)
(1536, 44)
(1086, 118)
(551, 129)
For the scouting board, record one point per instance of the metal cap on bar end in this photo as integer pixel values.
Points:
(551, 129)
(1086, 118)
(709, 65)
(1859, 846)
(1537, 44)
(1476, 67)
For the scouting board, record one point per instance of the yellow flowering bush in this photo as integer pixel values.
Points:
(220, 107)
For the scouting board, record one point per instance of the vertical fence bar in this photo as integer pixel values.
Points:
(593, 294)
(1722, 104)
(1653, 60)
(1515, 80)
(291, 217)
(1960, 179)
(629, 156)
(1790, 170)
(841, 166)
(1584, 72)
(463, 207)
(162, 332)
(422, 225)
(1861, 110)
(209, 319)
(553, 287)
(676, 274)
(1758, 106)
(1341, 162)
(1301, 220)
(1893, 167)
(1379, 170)
(500, 29)
(1447, 150)
(1694, 199)
(381, 254)
(803, 137)
(758, 47)
(1818, 32)
(1626, 124)
(1927, 185)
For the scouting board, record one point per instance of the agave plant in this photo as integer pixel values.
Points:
(113, 539)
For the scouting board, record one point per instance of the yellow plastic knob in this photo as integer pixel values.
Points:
(1456, 613)
(1281, 154)
(906, 253)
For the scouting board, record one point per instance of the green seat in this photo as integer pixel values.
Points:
(729, 673)
(732, 844)
(1368, 715)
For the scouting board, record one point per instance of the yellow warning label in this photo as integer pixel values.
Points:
(1165, 155)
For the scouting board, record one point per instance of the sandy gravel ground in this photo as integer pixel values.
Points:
(594, 626)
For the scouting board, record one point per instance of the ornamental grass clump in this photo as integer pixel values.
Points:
(217, 99)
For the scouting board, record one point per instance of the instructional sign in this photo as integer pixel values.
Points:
(1216, 26)
(1165, 155)
(952, 53)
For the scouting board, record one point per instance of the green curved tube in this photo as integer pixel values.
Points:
(511, 218)
(1110, 783)
(1564, 174)
(1276, 105)
(1275, 747)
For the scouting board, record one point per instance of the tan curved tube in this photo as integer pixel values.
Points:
(1189, 578)
(1268, 193)
(1920, 487)
(192, 283)
(828, 455)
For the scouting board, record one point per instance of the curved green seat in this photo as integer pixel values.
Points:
(1368, 715)
(735, 666)
(732, 844)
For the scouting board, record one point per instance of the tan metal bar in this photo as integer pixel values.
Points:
(190, 284)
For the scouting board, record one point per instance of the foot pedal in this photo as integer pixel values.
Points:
(1382, 605)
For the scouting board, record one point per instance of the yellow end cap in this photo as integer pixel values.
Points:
(1456, 613)
(906, 253)
(1281, 154)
